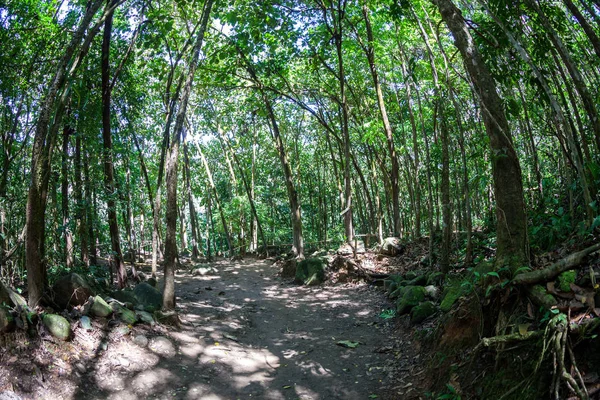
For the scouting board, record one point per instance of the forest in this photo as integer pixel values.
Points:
(174, 168)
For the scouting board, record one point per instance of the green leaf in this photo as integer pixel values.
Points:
(493, 273)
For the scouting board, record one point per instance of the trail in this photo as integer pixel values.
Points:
(247, 334)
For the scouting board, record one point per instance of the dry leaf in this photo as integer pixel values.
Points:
(523, 329)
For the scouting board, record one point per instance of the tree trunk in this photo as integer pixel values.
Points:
(512, 241)
(109, 178)
(80, 213)
(589, 31)
(171, 173)
(40, 163)
(446, 206)
(190, 199)
(67, 132)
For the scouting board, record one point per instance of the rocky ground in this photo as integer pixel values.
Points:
(246, 333)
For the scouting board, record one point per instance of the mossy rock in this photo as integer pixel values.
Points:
(452, 294)
(419, 280)
(148, 296)
(411, 296)
(100, 308)
(392, 280)
(311, 271)
(410, 275)
(126, 315)
(435, 279)
(390, 286)
(421, 312)
(565, 279)
(58, 326)
(398, 293)
(124, 296)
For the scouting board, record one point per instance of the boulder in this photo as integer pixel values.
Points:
(126, 315)
(7, 322)
(100, 308)
(288, 269)
(347, 250)
(58, 326)
(124, 296)
(421, 312)
(311, 271)
(419, 280)
(148, 296)
(391, 246)
(410, 275)
(397, 293)
(86, 323)
(141, 340)
(145, 317)
(411, 296)
(435, 278)
(432, 292)
(72, 290)
(453, 293)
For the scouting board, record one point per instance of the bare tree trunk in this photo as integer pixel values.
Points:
(81, 214)
(512, 240)
(67, 132)
(109, 178)
(172, 159)
(190, 199)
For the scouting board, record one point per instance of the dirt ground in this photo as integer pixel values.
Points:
(246, 334)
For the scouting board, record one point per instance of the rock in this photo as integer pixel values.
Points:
(168, 317)
(288, 269)
(8, 395)
(152, 282)
(421, 312)
(142, 276)
(311, 271)
(122, 331)
(391, 246)
(100, 308)
(141, 340)
(4, 295)
(124, 296)
(432, 292)
(397, 293)
(435, 278)
(8, 296)
(148, 296)
(58, 326)
(145, 317)
(126, 315)
(162, 346)
(71, 290)
(412, 296)
(347, 250)
(7, 322)
(410, 275)
(85, 323)
(419, 280)
(453, 293)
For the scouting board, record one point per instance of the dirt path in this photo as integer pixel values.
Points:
(247, 334)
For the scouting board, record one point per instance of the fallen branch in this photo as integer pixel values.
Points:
(551, 272)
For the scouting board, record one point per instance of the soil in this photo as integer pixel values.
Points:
(245, 333)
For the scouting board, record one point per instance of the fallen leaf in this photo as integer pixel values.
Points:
(523, 329)
(287, 387)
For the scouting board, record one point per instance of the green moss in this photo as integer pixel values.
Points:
(410, 275)
(412, 296)
(311, 271)
(421, 312)
(452, 294)
(435, 278)
(565, 279)
(397, 293)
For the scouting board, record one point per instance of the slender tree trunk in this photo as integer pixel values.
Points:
(172, 159)
(40, 164)
(81, 213)
(192, 208)
(67, 132)
(512, 241)
(446, 206)
(109, 178)
(589, 31)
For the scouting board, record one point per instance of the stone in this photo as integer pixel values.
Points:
(145, 317)
(122, 330)
(453, 293)
(419, 280)
(7, 322)
(124, 296)
(421, 312)
(411, 296)
(391, 246)
(347, 250)
(71, 290)
(288, 269)
(100, 308)
(85, 323)
(311, 271)
(148, 296)
(410, 275)
(126, 315)
(162, 346)
(9, 296)
(435, 278)
(152, 282)
(432, 292)
(8, 395)
(140, 340)
(58, 326)
(397, 293)
(169, 317)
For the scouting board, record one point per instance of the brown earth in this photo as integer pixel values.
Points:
(246, 333)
